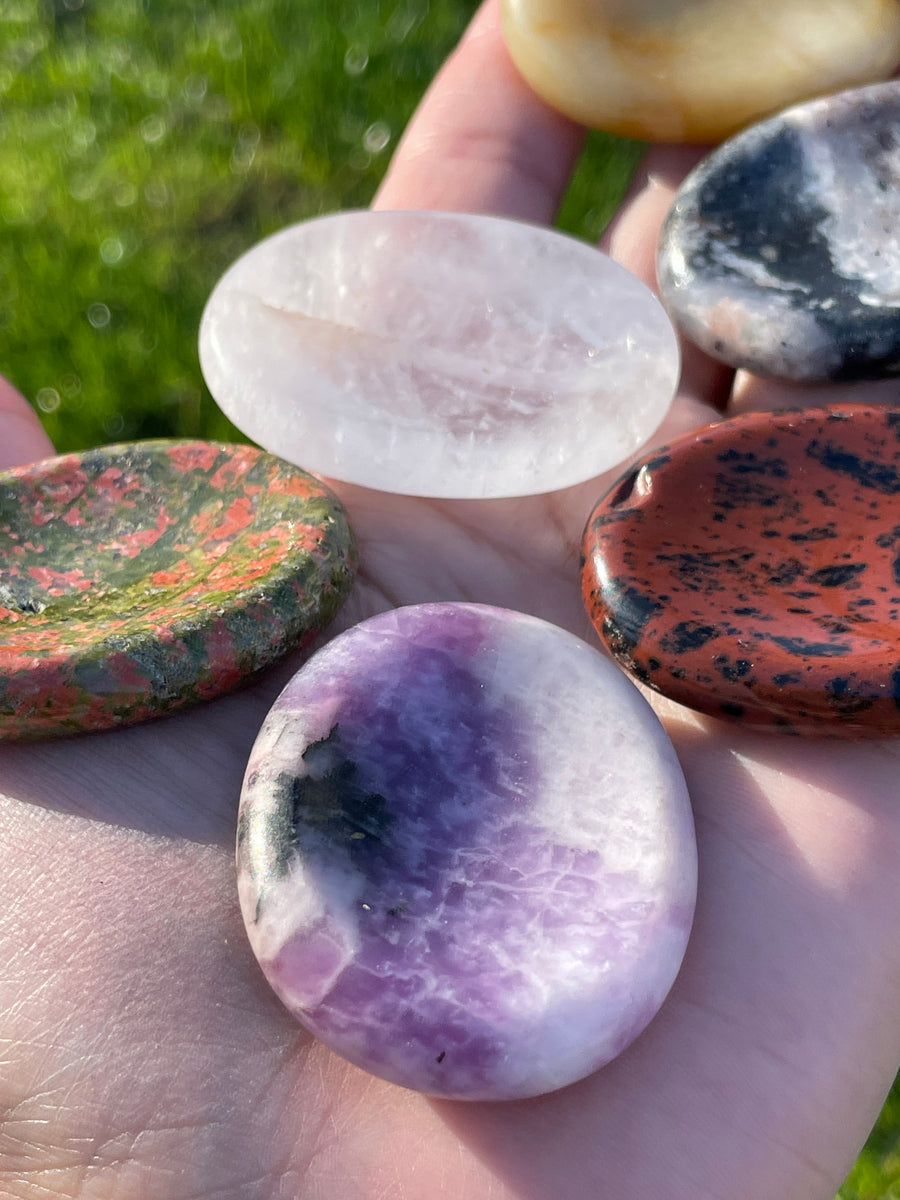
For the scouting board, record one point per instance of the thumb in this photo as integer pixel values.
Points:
(22, 438)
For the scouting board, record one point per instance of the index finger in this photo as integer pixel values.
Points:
(481, 140)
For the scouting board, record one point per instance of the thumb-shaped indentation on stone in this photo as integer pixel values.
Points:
(142, 578)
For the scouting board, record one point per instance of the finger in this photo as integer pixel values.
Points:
(632, 239)
(632, 234)
(481, 140)
(22, 437)
(754, 394)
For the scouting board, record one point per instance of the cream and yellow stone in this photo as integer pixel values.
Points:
(696, 70)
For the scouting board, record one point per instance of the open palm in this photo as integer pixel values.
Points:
(141, 1053)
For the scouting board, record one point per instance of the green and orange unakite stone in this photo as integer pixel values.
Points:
(141, 578)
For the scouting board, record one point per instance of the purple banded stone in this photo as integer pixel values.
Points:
(141, 578)
(466, 854)
(751, 570)
(780, 252)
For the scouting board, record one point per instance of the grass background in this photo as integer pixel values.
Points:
(144, 144)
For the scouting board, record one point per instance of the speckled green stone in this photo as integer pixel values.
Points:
(140, 578)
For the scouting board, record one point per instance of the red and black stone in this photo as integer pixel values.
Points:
(751, 570)
(140, 578)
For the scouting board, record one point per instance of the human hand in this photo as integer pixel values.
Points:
(142, 1052)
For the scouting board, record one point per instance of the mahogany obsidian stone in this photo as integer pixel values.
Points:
(752, 570)
(452, 355)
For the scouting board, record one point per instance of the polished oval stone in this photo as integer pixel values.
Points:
(143, 577)
(439, 354)
(465, 852)
(780, 253)
(696, 70)
(752, 570)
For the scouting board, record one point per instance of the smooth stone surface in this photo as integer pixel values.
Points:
(143, 577)
(466, 853)
(439, 354)
(696, 70)
(752, 570)
(780, 253)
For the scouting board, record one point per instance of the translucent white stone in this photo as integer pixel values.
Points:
(439, 354)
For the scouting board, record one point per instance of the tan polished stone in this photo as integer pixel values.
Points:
(696, 70)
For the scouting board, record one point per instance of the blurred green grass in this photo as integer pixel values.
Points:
(144, 144)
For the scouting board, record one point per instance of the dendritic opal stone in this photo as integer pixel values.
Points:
(781, 254)
(439, 354)
(140, 578)
(696, 70)
(466, 853)
(751, 570)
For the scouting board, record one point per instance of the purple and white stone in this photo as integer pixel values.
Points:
(780, 253)
(439, 354)
(466, 854)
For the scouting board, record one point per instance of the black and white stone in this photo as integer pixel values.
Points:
(781, 252)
